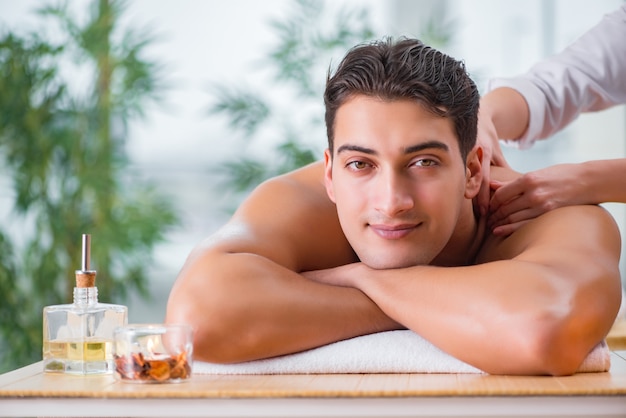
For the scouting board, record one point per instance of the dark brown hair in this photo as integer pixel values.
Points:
(406, 69)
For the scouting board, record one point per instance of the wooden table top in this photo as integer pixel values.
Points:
(31, 382)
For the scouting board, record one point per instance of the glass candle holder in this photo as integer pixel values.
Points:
(153, 353)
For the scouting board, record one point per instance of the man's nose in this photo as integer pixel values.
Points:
(392, 194)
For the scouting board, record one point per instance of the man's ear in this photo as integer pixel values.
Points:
(473, 172)
(328, 175)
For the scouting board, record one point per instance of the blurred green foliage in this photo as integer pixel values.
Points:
(309, 37)
(62, 149)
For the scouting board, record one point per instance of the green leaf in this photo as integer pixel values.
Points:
(306, 39)
(65, 156)
(245, 110)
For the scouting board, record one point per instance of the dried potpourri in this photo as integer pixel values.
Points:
(161, 369)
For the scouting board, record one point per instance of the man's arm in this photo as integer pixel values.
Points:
(537, 302)
(241, 290)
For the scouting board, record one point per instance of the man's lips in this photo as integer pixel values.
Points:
(393, 231)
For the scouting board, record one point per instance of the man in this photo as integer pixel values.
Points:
(398, 244)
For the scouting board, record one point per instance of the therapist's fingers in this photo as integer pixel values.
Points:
(508, 229)
(504, 212)
(516, 209)
(505, 192)
(524, 214)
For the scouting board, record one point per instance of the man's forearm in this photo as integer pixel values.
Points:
(506, 317)
(509, 316)
(258, 309)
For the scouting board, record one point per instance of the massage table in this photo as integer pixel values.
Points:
(29, 392)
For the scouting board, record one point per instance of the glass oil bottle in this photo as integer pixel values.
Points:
(78, 337)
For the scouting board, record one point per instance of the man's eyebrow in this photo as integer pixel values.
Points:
(349, 147)
(426, 145)
(408, 150)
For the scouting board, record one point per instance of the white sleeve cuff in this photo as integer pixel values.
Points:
(535, 99)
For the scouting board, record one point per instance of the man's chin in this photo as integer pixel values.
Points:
(390, 264)
(395, 255)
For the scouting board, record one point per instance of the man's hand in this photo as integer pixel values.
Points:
(345, 276)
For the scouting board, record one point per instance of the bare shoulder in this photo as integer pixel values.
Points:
(290, 220)
(570, 234)
(587, 232)
(298, 193)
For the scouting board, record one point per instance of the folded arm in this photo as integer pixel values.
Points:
(242, 291)
(536, 303)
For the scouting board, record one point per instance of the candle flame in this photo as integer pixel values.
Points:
(150, 345)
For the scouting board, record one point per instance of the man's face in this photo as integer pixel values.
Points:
(398, 180)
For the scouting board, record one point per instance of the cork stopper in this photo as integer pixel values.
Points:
(86, 277)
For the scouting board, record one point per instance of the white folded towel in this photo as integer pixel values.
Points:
(383, 352)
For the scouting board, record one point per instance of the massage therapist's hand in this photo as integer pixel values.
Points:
(516, 202)
(487, 139)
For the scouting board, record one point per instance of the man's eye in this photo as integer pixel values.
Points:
(425, 162)
(358, 165)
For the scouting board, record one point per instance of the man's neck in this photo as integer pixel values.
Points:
(465, 242)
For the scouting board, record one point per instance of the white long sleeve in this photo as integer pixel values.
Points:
(589, 75)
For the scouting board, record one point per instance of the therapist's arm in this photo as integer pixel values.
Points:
(516, 202)
(507, 110)
(503, 114)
